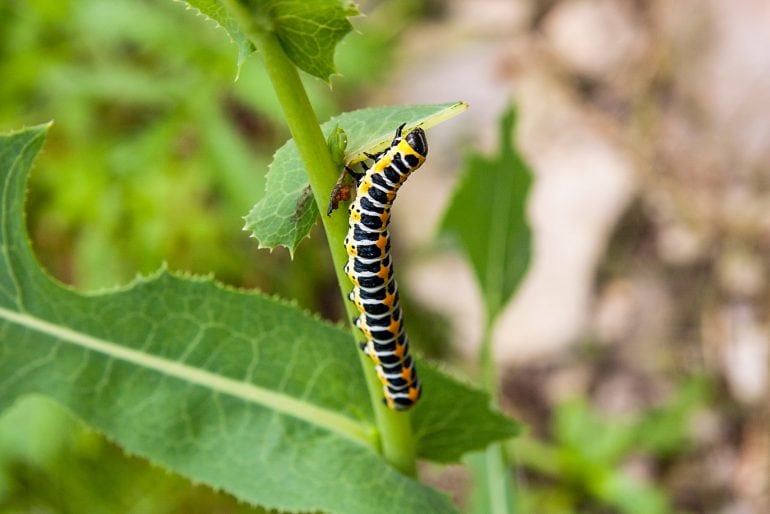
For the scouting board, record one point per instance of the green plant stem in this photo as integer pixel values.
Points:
(500, 491)
(496, 475)
(396, 438)
(487, 362)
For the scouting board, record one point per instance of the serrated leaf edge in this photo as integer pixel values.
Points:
(248, 226)
(356, 431)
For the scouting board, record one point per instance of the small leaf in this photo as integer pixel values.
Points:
(233, 389)
(276, 220)
(487, 217)
(308, 30)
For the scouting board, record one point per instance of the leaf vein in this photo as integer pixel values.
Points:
(277, 402)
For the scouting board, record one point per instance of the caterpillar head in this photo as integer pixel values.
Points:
(417, 140)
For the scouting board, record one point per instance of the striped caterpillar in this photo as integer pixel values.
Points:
(369, 266)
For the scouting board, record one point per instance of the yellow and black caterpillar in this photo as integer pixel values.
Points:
(370, 268)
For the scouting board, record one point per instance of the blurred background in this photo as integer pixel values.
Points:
(637, 349)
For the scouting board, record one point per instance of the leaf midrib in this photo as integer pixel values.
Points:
(284, 404)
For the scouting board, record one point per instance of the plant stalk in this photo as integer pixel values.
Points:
(395, 431)
(498, 482)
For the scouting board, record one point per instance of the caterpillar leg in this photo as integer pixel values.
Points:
(397, 137)
(367, 348)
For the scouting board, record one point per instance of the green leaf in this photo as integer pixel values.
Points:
(487, 217)
(308, 30)
(230, 388)
(287, 213)
(451, 418)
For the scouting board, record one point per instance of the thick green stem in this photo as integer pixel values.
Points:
(395, 429)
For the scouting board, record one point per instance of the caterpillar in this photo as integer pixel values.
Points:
(370, 269)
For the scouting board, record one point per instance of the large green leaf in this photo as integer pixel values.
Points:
(287, 212)
(230, 388)
(308, 30)
(487, 216)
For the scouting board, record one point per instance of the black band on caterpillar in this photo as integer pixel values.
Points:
(369, 267)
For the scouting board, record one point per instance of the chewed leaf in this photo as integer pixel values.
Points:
(233, 389)
(275, 221)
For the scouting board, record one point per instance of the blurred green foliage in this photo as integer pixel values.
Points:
(589, 450)
(487, 220)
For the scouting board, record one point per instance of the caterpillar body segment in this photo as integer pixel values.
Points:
(370, 268)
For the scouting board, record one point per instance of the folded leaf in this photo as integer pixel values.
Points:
(230, 388)
(284, 216)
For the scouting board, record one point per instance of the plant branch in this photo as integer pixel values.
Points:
(496, 476)
(396, 438)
